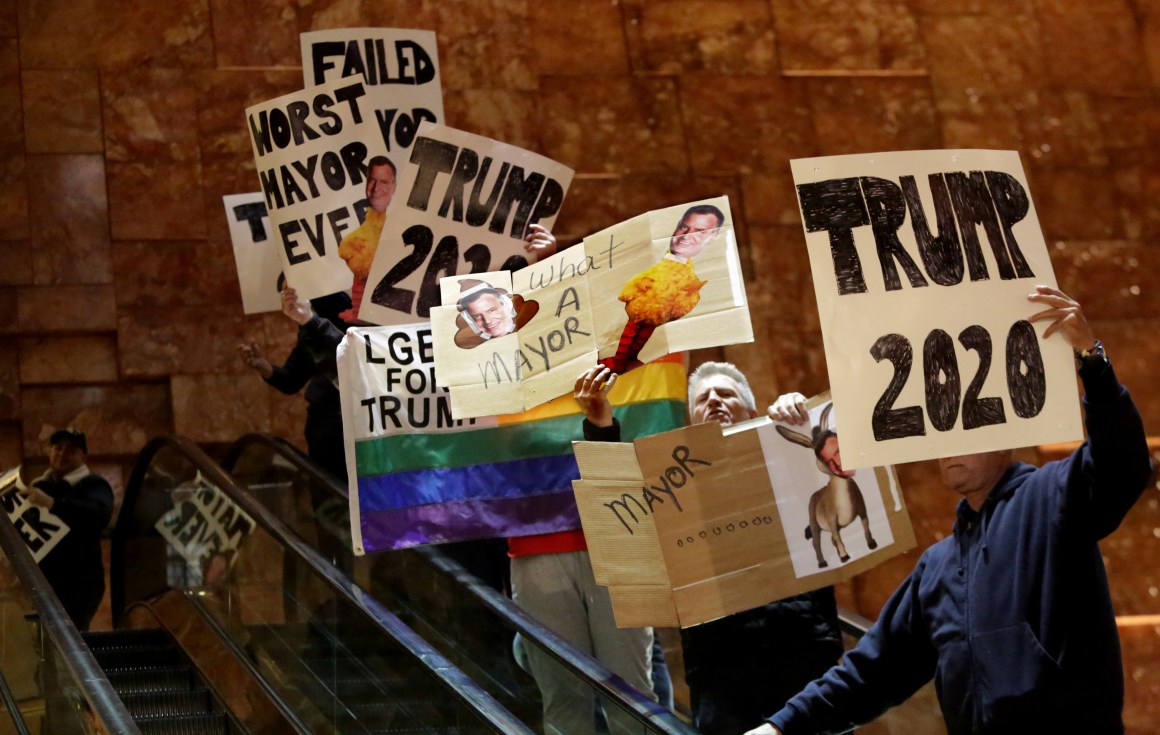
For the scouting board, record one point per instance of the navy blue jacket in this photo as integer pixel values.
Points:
(1011, 615)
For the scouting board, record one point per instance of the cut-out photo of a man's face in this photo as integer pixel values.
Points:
(697, 228)
(491, 313)
(487, 312)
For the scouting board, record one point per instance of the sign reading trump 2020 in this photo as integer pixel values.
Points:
(465, 204)
(922, 263)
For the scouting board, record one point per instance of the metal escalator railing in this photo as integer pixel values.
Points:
(338, 660)
(76, 693)
(469, 622)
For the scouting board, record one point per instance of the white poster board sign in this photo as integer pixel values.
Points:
(40, 528)
(666, 281)
(328, 156)
(255, 254)
(922, 262)
(464, 204)
(203, 522)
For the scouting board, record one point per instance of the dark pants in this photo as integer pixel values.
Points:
(738, 698)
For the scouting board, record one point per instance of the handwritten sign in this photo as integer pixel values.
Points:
(257, 258)
(663, 282)
(464, 206)
(328, 156)
(697, 523)
(922, 262)
(203, 522)
(40, 528)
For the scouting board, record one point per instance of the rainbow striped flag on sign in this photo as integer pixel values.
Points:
(419, 476)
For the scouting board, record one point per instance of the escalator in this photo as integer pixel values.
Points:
(158, 684)
(470, 622)
(286, 639)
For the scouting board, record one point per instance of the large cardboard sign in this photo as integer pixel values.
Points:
(203, 522)
(420, 476)
(40, 528)
(464, 205)
(922, 263)
(328, 156)
(255, 253)
(698, 523)
(662, 282)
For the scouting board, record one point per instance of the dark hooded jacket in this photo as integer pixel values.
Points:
(1011, 615)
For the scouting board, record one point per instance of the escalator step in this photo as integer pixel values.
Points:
(205, 724)
(136, 657)
(164, 704)
(150, 679)
(102, 639)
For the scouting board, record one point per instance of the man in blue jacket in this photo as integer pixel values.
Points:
(1011, 615)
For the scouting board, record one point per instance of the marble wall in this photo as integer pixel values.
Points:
(121, 128)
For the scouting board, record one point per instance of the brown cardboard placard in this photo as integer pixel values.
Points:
(727, 510)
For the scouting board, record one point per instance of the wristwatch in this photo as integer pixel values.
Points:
(1092, 356)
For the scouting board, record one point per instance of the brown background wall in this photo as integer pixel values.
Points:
(121, 125)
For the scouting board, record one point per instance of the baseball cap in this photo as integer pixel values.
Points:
(74, 436)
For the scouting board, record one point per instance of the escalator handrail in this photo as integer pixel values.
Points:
(471, 694)
(82, 666)
(13, 707)
(602, 678)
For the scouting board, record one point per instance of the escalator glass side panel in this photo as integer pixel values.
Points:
(56, 684)
(453, 610)
(343, 664)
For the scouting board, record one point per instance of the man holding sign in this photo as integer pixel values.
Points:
(801, 631)
(84, 502)
(1012, 613)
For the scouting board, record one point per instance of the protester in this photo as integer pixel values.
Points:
(800, 632)
(84, 502)
(1011, 614)
(323, 428)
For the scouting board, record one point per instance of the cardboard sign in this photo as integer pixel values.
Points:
(695, 524)
(328, 156)
(663, 282)
(258, 260)
(420, 476)
(203, 522)
(40, 528)
(922, 263)
(464, 205)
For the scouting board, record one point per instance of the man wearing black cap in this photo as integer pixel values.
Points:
(84, 502)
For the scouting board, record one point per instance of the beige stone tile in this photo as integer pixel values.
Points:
(157, 200)
(114, 34)
(722, 36)
(579, 37)
(1093, 46)
(613, 124)
(14, 221)
(62, 111)
(116, 419)
(237, 406)
(68, 360)
(871, 115)
(236, 43)
(484, 43)
(70, 219)
(168, 340)
(178, 273)
(15, 263)
(983, 53)
(775, 126)
(65, 309)
(9, 380)
(1112, 279)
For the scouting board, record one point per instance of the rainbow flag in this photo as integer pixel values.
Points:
(417, 476)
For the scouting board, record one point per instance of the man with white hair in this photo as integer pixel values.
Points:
(746, 665)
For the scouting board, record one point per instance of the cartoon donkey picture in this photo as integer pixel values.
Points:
(839, 501)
